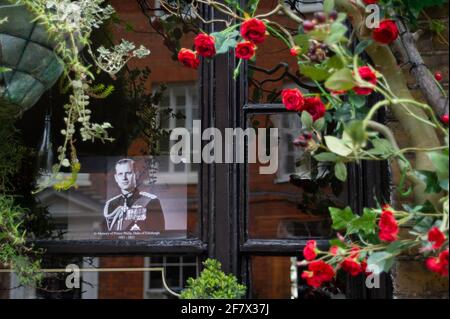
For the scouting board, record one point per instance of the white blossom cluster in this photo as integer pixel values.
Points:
(112, 60)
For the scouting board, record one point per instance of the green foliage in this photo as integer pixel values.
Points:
(352, 223)
(13, 248)
(411, 9)
(213, 283)
(11, 153)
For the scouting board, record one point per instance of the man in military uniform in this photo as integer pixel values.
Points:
(132, 210)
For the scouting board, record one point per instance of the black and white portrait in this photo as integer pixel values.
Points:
(132, 210)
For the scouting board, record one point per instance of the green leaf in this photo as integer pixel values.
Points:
(362, 46)
(440, 162)
(337, 33)
(357, 101)
(340, 171)
(328, 6)
(365, 224)
(337, 242)
(382, 147)
(337, 146)
(424, 224)
(356, 131)
(326, 157)
(341, 80)
(307, 120)
(224, 42)
(302, 40)
(430, 179)
(314, 73)
(380, 262)
(334, 62)
(341, 217)
(397, 246)
(319, 124)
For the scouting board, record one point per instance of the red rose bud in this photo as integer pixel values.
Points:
(295, 51)
(308, 25)
(438, 264)
(351, 266)
(307, 135)
(436, 237)
(333, 15)
(253, 30)
(310, 251)
(438, 76)
(188, 58)
(293, 99)
(315, 107)
(205, 45)
(388, 226)
(444, 119)
(334, 250)
(386, 33)
(320, 17)
(245, 50)
(368, 75)
(300, 141)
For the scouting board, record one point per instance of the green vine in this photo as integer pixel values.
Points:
(70, 25)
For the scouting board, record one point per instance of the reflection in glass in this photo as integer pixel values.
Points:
(284, 276)
(150, 98)
(293, 202)
(132, 278)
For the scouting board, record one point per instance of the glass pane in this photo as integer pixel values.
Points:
(284, 277)
(147, 196)
(293, 201)
(114, 277)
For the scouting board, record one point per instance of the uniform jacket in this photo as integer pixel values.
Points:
(140, 211)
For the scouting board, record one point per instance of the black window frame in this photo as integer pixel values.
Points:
(222, 189)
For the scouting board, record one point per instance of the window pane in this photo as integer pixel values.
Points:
(118, 277)
(285, 281)
(142, 111)
(292, 202)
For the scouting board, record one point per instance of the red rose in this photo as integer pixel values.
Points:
(245, 50)
(318, 273)
(310, 250)
(253, 30)
(367, 74)
(445, 119)
(364, 268)
(188, 58)
(205, 45)
(293, 99)
(315, 107)
(388, 226)
(351, 266)
(438, 264)
(370, 1)
(386, 33)
(437, 237)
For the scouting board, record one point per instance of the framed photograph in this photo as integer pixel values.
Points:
(122, 198)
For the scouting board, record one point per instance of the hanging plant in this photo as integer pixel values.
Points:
(68, 25)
